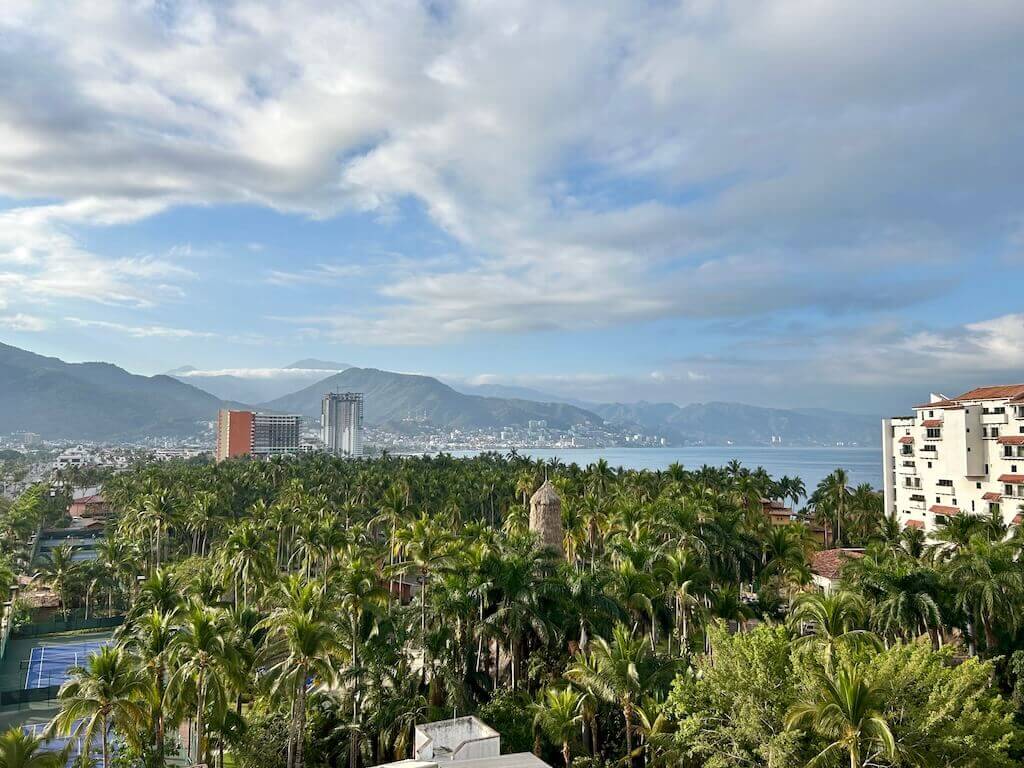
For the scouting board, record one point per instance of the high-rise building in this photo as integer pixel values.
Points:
(241, 433)
(341, 423)
(956, 456)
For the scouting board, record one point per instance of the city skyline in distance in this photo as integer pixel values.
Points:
(769, 205)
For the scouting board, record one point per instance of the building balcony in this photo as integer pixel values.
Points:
(994, 419)
(912, 504)
(945, 490)
(906, 468)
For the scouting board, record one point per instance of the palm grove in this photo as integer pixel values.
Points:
(677, 626)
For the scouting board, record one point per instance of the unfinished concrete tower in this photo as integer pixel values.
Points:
(546, 516)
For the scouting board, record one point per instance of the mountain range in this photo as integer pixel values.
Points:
(101, 402)
(95, 401)
(399, 398)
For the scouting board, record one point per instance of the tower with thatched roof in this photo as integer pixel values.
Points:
(546, 516)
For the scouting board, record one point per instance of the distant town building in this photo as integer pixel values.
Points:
(245, 433)
(341, 423)
(90, 506)
(956, 456)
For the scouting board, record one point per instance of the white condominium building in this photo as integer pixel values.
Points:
(956, 456)
(341, 423)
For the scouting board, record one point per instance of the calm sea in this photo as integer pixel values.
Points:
(863, 465)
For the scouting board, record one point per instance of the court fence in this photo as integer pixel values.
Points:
(23, 696)
(71, 625)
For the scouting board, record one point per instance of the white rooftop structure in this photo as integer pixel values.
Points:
(461, 738)
(464, 740)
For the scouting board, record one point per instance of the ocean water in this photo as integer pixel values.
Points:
(863, 465)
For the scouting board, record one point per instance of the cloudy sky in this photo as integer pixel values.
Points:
(783, 202)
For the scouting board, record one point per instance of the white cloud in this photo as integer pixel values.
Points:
(141, 331)
(597, 163)
(23, 322)
(260, 373)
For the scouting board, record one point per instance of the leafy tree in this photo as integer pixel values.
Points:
(22, 750)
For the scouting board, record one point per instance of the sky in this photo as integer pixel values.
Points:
(780, 202)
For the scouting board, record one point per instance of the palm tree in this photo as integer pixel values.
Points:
(22, 750)
(425, 545)
(199, 654)
(558, 717)
(847, 710)
(990, 588)
(245, 556)
(108, 691)
(151, 641)
(60, 570)
(622, 672)
(832, 619)
(833, 498)
(302, 645)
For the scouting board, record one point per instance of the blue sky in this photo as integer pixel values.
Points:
(779, 203)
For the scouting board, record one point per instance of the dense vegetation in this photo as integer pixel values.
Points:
(679, 628)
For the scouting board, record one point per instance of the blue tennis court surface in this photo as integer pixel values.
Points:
(73, 745)
(49, 664)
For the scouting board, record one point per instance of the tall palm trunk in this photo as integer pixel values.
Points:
(106, 745)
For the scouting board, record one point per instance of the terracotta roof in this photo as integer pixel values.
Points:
(95, 498)
(1015, 479)
(915, 524)
(1011, 440)
(991, 496)
(906, 440)
(932, 422)
(1013, 392)
(942, 509)
(939, 405)
(1001, 392)
(828, 562)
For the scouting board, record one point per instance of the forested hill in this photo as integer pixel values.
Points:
(95, 401)
(393, 397)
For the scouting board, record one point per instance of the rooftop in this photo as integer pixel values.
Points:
(1013, 392)
(829, 562)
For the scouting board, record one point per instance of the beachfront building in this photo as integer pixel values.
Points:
(341, 423)
(261, 435)
(959, 455)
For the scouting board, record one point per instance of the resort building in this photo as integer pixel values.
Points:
(244, 433)
(955, 456)
(341, 423)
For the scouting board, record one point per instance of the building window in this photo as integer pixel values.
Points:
(934, 432)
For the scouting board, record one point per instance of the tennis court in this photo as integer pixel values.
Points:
(48, 664)
(74, 745)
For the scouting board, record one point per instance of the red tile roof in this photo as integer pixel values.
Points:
(992, 496)
(95, 498)
(907, 440)
(942, 509)
(939, 405)
(1011, 440)
(932, 422)
(1001, 392)
(1015, 479)
(1013, 392)
(828, 562)
(915, 524)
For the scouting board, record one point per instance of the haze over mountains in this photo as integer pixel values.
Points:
(101, 402)
(258, 386)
